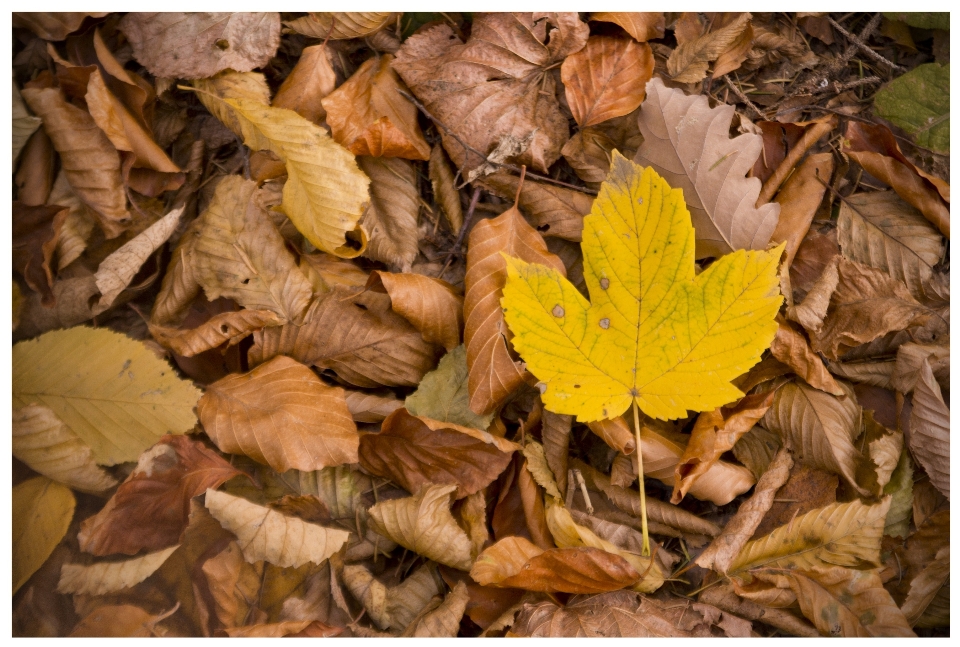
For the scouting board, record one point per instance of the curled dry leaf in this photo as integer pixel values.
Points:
(78, 225)
(232, 85)
(444, 188)
(391, 219)
(792, 348)
(151, 508)
(357, 336)
(198, 45)
(910, 359)
(42, 512)
(414, 454)
(24, 124)
(36, 231)
(641, 25)
(537, 465)
(34, 177)
(930, 430)
(272, 537)
(238, 253)
(107, 577)
(816, 251)
(686, 142)
(519, 509)
(48, 446)
(813, 310)
(689, 61)
(589, 153)
(311, 79)
(724, 597)
(226, 328)
(925, 588)
(443, 621)
(280, 414)
(606, 79)
(555, 433)
(396, 606)
(493, 373)
(111, 390)
(90, 162)
(340, 25)
(553, 210)
(234, 584)
(431, 305)
(443, 394)
(508, 94)
(368, 116)
(423, 524)
(799, 198)
(615, 433)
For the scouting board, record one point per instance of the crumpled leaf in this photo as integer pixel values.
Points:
(266, 535)
(78, 226)
(225, 328)
(919, 103)
(340, 25)
(234, 585)
(54, 25)
(493, 373)
(444, 620)
(423, 524)
(357, 336)
(310, 80)
(325, 192)
(555, 432)
(368, 116)
(641, 25)
(443, 394)
(689, 61)
(370, 407)
(198, 45)
(36, 231)
(413, 454)
(444, 188)
(930, 430)
(496, 84)
(634, 342)
(109, 389)
(396, 606)
(151, 507)
(106, 577)
(90, 162)
(537, 465)
(724, 597)
(926, 586)
(910, 359)
(42, 512)
(791, 347)
(24, 124)
(589, 152)
(431, 305)
(686, 142)
(882, 231)
(390, 220)
(48, 446)
(280, 414)
(606, 79)
(239, 254)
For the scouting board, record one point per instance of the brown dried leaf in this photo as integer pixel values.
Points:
(799, 198)
(494, 374)
(150, 509)
(392, 607)
(280, 414)
(792, 348)
(606, 79)
(311, 79)
(289, 628)
(518, 510)
(198, 45)
(539, 469)
(689, 61)
(686, 142)
(368, 116)
(431, 305)
(496, 85)
(357, 336)
(589, 153)
(723, 597)
(24, 124)
(50, 447)
(876, 373)
(234, 585)
(226, 328)
(816, 251)
(90, 162)
(78, 226)
(326, 271)
(266, 535)
(34, 177)
(556, 444)
(553, 210)
(925, 587)
(239, 254)
(119, 621)
(339, 25)
(615, 433)
(423, 524)
(36, 231)
(53, 25)
(641, 25)
(930, 430)
(107, 577)
(812, 311)
(444, 620)
(445, 191)
(910, 358)
(391, 219)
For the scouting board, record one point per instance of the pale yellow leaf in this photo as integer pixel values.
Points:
(106, 577)
(42, 512)
(232, 85)
(537, 466)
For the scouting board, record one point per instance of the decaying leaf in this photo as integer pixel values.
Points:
(225, 328)
(36, 231)
(606, 79)
(554, 211)
(910, 359)
(341, 24)
(265, 535)
(431, 305)
(791, 347)
(24, 124)
(109, 389)
(926, 586)
(930, 430)
(443, 621)
(444, 188)
(107, 577)
(443, 393)
(919, 102)
(539, 469)
(42, 512)
(392, 607)
(689, 61)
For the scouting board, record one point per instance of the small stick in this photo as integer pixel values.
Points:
(737, 91)
(571, 487)
(809, 138)
(863, 47)
(583, 490)
(645, 551)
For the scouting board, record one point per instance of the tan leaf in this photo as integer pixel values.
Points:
(539, 469)
(840, 534)
(370, 407)
(119, 621)
(78, 226)
(423, 524)
(325, 192)
(876, 373)
(910, 358)
(151, 507)
(756, 449)
(714, 433)
(107, 577)
(443, 621)
(799, 198)
(589, 153)
(926, 586)
(553, 210)
(555, 433)
(615, 433)
(728, 544)
(391, 219)
(882, 231)
(443, 394)
(42, 512)
(48, 446)
(34, 172)
(226, 328)
(723, 597)
(179, 287)
(641, 25)
(357, 336)
(24, 124)
(816, 251)
(792, 348)
(232, 85)
(368, 116)
(686, 142)
(90, 162)
(688, 62)
(444, 188)
(813, 310)
(310, 80)
(272, 537)
(431, 305)
(866, 305)
(606, 79)
(396, 606)
(514, 562)
(493, 373)
(340, 25)
(930, 430)
(508, 94)
(326, 272)
(234, 585)
(35, 233)
(239, 254)
(198, 45)
(738, 52)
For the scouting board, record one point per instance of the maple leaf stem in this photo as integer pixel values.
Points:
(643, 494)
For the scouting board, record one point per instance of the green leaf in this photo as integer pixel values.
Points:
(921, 19)
(443, 395)
(901, 504)
(919, 102)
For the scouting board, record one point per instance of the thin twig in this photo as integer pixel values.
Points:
(863, 47)
(737, 91)
(463, 230)
(583, 490)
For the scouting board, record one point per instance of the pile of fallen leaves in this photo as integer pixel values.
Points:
(301, 324)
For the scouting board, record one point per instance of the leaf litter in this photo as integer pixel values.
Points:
(324, 324)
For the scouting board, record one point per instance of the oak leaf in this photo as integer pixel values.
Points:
(107, 577)
(42, 511)
(930, 430)
(282, 415)
(606, 79)
(686, 142)
(637, 341)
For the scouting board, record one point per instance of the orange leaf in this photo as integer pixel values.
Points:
(606, 79)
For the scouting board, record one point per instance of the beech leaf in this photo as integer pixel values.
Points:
(312, 79)
(107, 577)
(390, 221)
(42, 512)
(606, 79)
(339, 25)
(225, 328)
(431, 305)
(688, 62)
(641, 25)
(930, 430)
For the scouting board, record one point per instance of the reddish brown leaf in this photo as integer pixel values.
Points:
(35, 234)
(606, 79)
(641, 25)
(519, 510)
